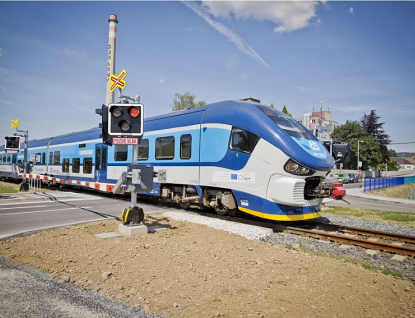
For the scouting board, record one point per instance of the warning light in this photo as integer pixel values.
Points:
(125, 120)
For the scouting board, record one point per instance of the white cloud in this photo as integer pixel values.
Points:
(287, 15)
(229, 34)
(2, 52)
(74, 53)
(351, 10)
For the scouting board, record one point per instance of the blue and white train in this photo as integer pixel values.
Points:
(230, 156)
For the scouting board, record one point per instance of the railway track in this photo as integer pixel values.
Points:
(376, 240)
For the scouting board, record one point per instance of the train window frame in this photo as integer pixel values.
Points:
(120, 152)
(76, 164)
(237, 144)
(87, 165)
(65, 164)
(56, 157)
(164, 149)
(186, 146)
(143, 149)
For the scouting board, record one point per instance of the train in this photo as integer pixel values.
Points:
(232, 156)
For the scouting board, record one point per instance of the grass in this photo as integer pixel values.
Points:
(398, 218)
(9, 188)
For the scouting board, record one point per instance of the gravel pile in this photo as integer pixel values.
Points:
(382, 260)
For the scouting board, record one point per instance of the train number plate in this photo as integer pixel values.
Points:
(124, 141)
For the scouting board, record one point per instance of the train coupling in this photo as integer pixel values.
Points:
(339, 191)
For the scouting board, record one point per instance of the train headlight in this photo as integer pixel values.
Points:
(295, 168)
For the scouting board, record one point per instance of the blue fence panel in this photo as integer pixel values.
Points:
(380, 183)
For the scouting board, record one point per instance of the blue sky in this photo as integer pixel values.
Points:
(357, 56)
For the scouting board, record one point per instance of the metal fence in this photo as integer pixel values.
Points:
(35, 185)
(380, 183)
(411, 194)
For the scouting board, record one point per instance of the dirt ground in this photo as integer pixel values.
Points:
(191, 270)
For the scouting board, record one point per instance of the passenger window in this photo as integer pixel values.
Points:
(57, 157)
(76, 162)
(50, 157)
(87, 164)
(43, 158)
(185, 146)
(165, 148)
(121, 153)
(242, 140)
(143, 150)
(65, 165)
(97, 158)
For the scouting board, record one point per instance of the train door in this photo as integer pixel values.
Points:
(101, 156)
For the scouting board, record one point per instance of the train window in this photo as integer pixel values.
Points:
(50, 157)
(97, 159)
(242, 140)
(185, 146)
(165, 148)
(43, 158)
(14, 158)
(87, 165)
(8, 158)
(121, 153)
(76, 162)
(57, 157)
(143, 150)
(82, 145)
(65, 165)
(289, 125)
(104, 159)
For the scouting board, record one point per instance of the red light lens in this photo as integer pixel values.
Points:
(134, 112)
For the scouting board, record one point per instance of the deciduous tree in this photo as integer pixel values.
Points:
(186, 101)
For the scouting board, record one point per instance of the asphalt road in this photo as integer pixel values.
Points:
(18, 216)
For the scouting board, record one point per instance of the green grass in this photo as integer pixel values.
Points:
(8, 188)
(399, 218)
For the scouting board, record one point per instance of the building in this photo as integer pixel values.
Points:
(405, 163)
(319, 123)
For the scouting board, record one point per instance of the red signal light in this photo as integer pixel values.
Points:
(134, 112)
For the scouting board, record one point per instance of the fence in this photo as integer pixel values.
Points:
(380, 183)
(35, 185)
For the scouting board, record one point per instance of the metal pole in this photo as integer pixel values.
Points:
(111, 56)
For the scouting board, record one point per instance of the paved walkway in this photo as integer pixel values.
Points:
(358, 192)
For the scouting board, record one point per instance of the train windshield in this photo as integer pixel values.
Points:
(289, 125)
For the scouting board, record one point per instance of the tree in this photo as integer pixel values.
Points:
(186, 101)
(286, 112)
(352, 132)
(372, 127)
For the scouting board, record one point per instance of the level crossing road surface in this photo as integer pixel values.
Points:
(28, 213)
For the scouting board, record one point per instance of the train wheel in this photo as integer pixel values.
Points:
(221, 210)
(184, 205)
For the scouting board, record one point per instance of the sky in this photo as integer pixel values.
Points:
(354, 56)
